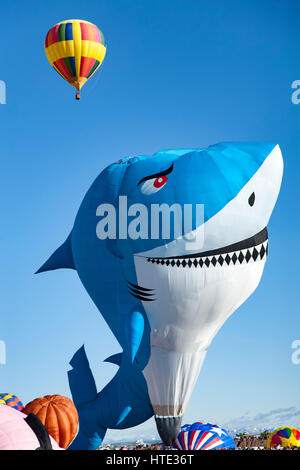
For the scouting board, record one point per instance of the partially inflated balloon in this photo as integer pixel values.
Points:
(199, 436)
(59, 416)
(285, 437)
(18, 432)
(75, 48)
(11, 400)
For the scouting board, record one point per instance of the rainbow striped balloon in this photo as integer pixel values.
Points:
(11, 400)
(75, 48)
(284, 437)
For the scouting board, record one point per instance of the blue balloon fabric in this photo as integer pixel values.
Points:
(199, 436)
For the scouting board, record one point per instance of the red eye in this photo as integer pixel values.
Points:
(160, 181)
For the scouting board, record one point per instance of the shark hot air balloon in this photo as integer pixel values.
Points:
(75, 49)
(165, 292)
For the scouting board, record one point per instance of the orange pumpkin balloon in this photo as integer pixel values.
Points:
(59, 416)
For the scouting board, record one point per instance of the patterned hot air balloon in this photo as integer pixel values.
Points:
(59, 416)
(199, 436)
(11, 400)
(285, 437)
(75, 48)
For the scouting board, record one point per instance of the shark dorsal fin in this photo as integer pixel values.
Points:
(115, 359)
(61, 258)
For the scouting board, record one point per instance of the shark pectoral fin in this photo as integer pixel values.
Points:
(61, 258)
(134, 329)
(81, 380)
(115, 359)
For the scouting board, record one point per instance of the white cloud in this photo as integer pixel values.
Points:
(271, 420)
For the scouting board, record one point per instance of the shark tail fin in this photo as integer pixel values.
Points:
(61, 258)
(84, 393)
(81, 379)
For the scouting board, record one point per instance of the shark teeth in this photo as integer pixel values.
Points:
(249, 255)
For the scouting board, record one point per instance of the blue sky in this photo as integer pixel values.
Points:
(178, 73)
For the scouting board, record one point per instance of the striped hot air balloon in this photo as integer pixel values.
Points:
(11, 400)
(199, 436)
(75, 48)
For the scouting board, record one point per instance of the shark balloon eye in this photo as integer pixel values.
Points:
(154, 184)
(160, 182)
(251, 199)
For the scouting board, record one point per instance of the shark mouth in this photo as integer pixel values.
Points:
(246, 251)
(252, 249)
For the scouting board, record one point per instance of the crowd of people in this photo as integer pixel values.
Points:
(246, 442)
(258, 443)
(144, 446)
